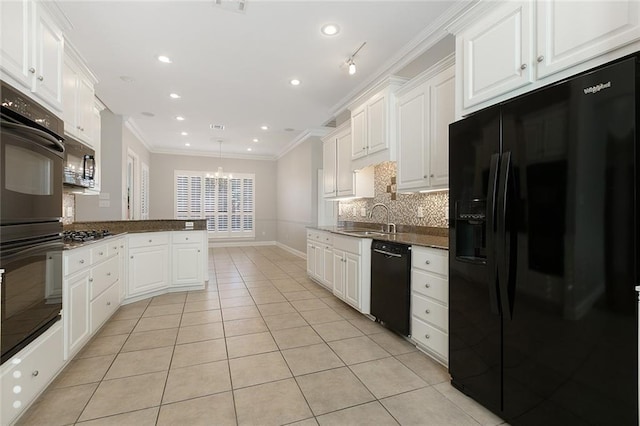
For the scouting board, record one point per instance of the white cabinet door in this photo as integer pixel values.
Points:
(49, 49)
(96, 128)
(311, 258)
(359, 132)
(187, 264)
(441, 113)
(329, 167)
(352, 280)
(339, 268)
(70, 78)
(570, 32)
(327, 252)
(495, 52)
(84, 113)
(319, 263)
(15, 29)
(413, 149)
(377, 125)
(345, 176)
(76, 313)
(148, 269)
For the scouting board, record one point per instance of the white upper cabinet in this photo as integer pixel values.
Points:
(31, 51)
(329, 167)
(495, 53)
(564, 38)
(373, 125)
(79, 99)
(425, 109)
(504, 49)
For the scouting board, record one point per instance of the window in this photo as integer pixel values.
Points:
(226, 203)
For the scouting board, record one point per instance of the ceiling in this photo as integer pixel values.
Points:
(234, 68)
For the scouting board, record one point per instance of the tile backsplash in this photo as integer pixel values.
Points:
(404, 207)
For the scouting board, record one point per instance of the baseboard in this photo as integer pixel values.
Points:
(291, 250)
(241, 244)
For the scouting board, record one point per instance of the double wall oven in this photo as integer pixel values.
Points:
(31, 175)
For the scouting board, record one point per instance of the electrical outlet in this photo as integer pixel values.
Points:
(363, 212)
(354, 211)
(420, 212)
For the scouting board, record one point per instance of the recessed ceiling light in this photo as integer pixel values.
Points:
(295, 82)
(184, 133)
(180, 118)
(255, 139)
(330, 29)
(174, 96)
(187, 144)
(264, 127)
(164, 59)
(126, 79)
(249, 149)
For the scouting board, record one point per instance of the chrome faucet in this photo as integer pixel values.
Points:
(390, 225)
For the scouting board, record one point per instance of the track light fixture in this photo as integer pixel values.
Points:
(351, 63)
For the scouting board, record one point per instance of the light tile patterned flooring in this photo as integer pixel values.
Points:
(262, 345)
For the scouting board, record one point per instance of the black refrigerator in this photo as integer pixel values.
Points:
(543, 325)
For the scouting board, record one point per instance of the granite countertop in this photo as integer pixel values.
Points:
(135, 226)
(438, 238)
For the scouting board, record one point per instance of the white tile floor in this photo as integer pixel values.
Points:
(262, 345)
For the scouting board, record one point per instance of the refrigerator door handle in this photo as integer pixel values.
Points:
(503, 246)
(492, 266)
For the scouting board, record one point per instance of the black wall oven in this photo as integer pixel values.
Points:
(31, 158)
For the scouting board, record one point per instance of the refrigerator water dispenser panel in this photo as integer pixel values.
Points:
(471, 231)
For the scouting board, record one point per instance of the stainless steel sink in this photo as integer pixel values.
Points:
(366, 233)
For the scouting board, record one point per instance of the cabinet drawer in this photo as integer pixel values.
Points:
(75, 260)
(348, 244)
(148, 239)
(186, 237)
(430, 337)
(103, 275)
(99, 253)
(104, 306)
(430, 285)
(431, 312)
(431, 260)
(27, 373)
(326, 238)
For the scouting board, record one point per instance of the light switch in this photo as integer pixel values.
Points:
(363, 212)
(104, 203)
(420, 212)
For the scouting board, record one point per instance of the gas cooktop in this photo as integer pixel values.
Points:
(84, 236)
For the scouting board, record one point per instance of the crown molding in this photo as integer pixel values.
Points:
(53, 7)
(416, 47)
(198, 153)
(131, 125)
(437, 68)
(309, 133)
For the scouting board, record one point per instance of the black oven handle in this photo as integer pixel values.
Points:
(31, 249)
(44, 136)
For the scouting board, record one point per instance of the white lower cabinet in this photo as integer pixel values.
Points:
(148, 269)
(430, 301)
(187, 258)
(320, 257)
(27, 374)
(352, 271)
(75, 302)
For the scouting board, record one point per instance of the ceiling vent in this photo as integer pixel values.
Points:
(216, 126)
(232, 5)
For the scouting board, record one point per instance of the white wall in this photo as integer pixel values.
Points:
(161, 198)
(297, 192)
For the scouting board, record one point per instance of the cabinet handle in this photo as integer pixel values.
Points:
(540, 58)
(523, 66)
(108, 274)
(428, 262)
(150, 241)
(122, 246)
(35, 373)
(81, 260)
(187, 239)
(90, 280)
(41, 78)
(132, 257)
(426, 336)
(101, 253)
(198, 251)
(427, 311)
(431, 175)
(424, 177)
(50, 257)
(427, 285)
(364, 147)
(115, 247)
(78, 127)
(32, 70)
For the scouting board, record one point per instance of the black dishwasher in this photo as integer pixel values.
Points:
(390, 285)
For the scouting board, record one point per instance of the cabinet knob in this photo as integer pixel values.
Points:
(115, 247)
(32, 70)
(122, 246)
(78, 127)
(90, 280)
(427, 311)
(81, 260)
(426, 336)
(540, 58)
(41, 78)
(425, 176)
(523, 66)
(108, 274)
(101, 253)
(428, 262)
(427, 285)
(431, 175)
(187, 239)
(198, 251)
(364, 147)
(35, 373)
(132, 257)
(150, 240)
(108, 303)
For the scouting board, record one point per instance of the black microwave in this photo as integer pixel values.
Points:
(79, 164)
